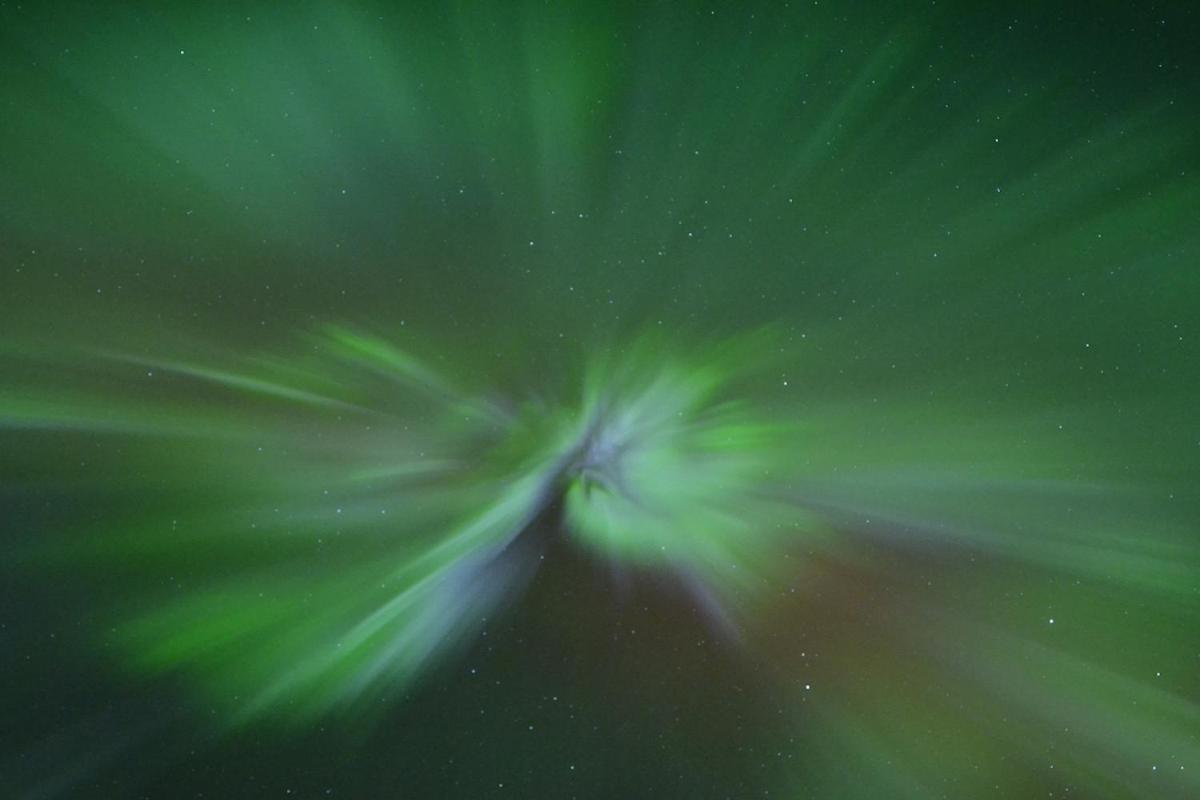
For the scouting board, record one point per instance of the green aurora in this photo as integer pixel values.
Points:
(600, 400)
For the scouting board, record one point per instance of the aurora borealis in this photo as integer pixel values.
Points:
(600, 400)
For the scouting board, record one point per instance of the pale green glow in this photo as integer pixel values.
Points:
(354, 516)
(390, 539)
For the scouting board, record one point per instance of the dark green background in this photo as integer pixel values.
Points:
(976, 228)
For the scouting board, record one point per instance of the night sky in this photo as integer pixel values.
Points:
(600, 400)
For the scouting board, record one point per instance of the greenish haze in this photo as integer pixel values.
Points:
(600, 400)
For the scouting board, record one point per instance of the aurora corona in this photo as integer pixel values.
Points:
(661, 466)
(599, 400)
